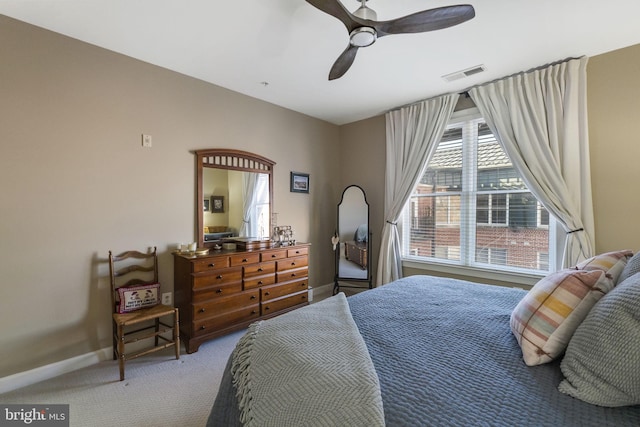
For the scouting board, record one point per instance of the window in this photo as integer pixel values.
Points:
(260, 215)
(472, 208)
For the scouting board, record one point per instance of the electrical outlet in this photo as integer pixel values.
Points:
(147, 141)
(166, 298)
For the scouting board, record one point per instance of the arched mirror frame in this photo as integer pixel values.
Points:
(338, 277)
(221, 158)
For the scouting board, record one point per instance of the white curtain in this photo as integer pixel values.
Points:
(540, 118)
(248, 227)
(413, 134)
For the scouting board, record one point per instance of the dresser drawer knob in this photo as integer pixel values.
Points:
(273, 255)
(219, 276)
(266, 294)
(219, 291)
(253, 297)
(293, 274)
(304, 297)
(253, 312)
(260, 269)
(266, 308)
(245, 260)
(259, 282)
(293, 263)
(202, 328)
(303, 284)
(211, 265)
(202, 310)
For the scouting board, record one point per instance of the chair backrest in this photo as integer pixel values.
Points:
(131, 268)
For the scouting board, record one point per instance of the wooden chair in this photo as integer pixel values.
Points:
(137, 312)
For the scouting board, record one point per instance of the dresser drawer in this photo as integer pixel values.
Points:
(216, 292)
(219, 277)
(256, 282)
(211, 263)
(218, 306)
(259, 269)
(289, 263)
(293, 252)
(287, 275)
(212, 324)
(280, 290)
(273, 254)
(273, 306)
(245, 258)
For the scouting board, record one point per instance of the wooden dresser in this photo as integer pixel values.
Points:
(227, 290)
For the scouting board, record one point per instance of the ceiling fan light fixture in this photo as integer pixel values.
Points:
(363, 37)
(365, 13)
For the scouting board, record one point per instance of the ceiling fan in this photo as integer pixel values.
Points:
(364, 28)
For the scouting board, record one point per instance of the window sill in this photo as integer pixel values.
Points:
(516, 279)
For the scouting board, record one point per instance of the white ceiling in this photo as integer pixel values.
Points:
(292, 45)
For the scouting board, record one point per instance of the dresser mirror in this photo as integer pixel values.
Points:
(234, 196)
(352, 251)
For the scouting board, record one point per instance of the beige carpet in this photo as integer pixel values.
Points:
(158, 389)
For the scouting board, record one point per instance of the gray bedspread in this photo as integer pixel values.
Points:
(445, 356)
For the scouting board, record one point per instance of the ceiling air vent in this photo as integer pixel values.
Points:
(464, 73)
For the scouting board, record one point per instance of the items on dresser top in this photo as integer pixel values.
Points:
(224, 290)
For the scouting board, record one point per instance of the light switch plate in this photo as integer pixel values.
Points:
(147, 141)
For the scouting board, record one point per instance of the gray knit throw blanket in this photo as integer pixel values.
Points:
(308, 367)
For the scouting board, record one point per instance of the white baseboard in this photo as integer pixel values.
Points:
(23, 379)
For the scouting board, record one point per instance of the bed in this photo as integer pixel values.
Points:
(442, 353)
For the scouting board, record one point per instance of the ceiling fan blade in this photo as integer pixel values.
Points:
(343, 63)
(337, 10)
(427, 20)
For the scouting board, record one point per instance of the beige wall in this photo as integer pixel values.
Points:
(614, 112)
(76, 181)
(362, 163)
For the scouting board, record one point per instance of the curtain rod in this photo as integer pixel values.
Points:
(465, 92)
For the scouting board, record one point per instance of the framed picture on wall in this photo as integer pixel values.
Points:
(206, 205)
(217, 204)
(299, 182)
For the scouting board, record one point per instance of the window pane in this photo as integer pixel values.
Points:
(435, 226)
(495, 170)
(444, 172)
(482, 209)
(507, 226)
(518, 245)
(523, 210)
(498, 209)
(543, 215)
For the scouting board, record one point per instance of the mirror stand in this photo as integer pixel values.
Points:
(352, 241)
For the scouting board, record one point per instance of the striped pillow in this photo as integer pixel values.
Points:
(632, 267)
(546, 318)
(611, 262)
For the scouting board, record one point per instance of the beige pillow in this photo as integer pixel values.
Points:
(546, 318)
